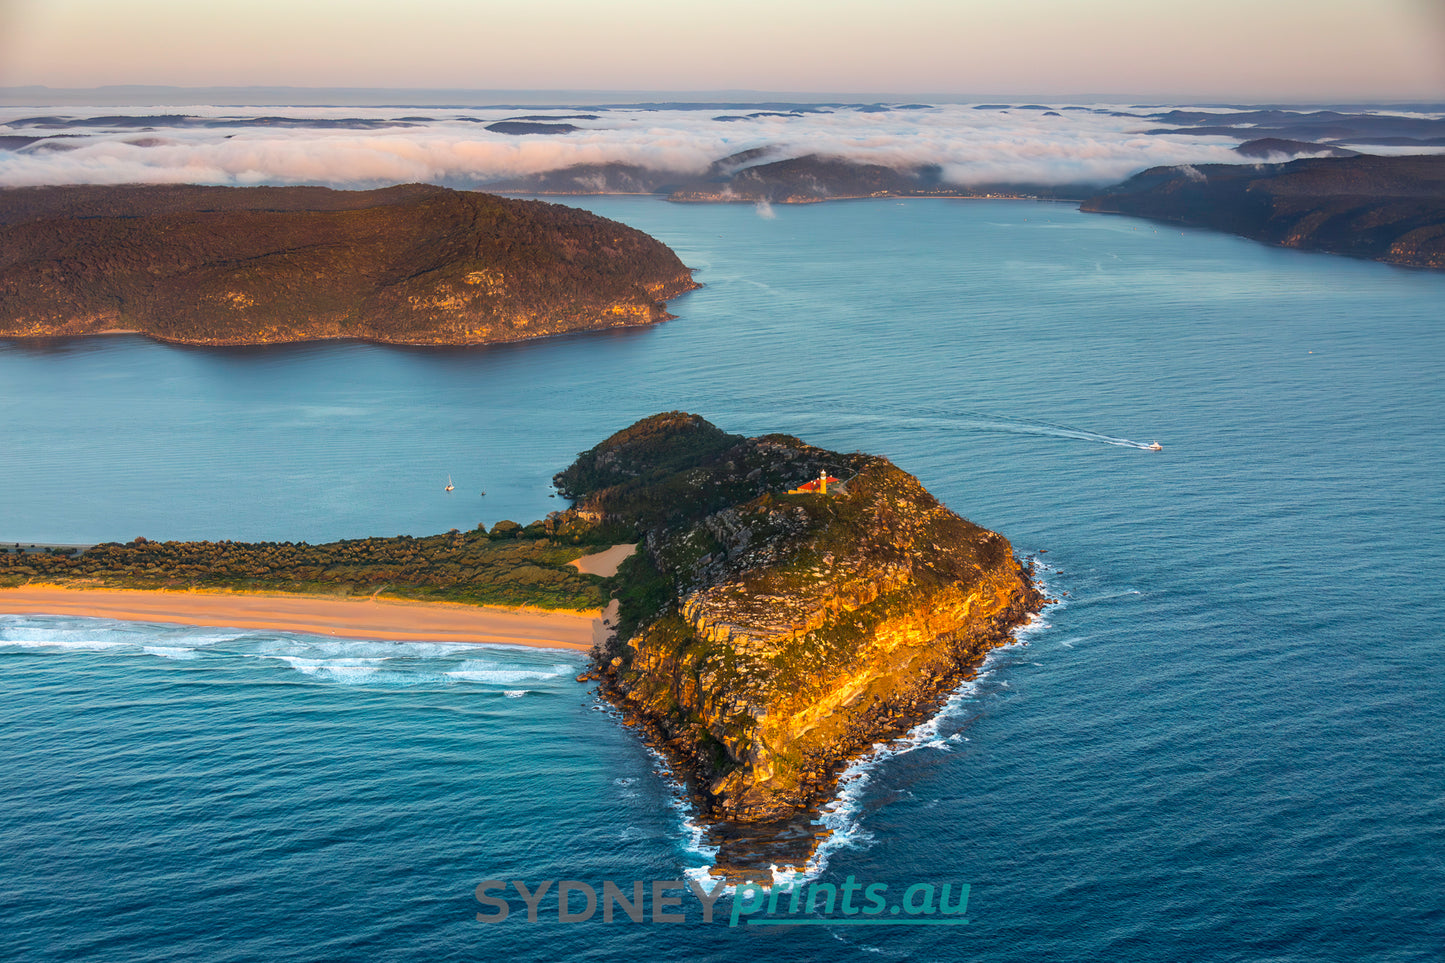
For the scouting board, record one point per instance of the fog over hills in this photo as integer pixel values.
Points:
(1032, 143)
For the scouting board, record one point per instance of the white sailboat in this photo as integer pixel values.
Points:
(450, 486)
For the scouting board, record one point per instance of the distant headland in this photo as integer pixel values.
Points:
(768, 175)
(1383, 208)
(412, 264)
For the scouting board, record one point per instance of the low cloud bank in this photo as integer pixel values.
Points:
(453, 147)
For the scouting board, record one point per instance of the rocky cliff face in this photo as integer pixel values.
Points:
(767, 637)
(413, 264)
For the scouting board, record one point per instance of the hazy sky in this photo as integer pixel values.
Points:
(1238, 49)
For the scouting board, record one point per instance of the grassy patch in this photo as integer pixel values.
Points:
(469, 567)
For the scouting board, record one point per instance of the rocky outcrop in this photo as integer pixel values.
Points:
(408, 265)
(768, 638)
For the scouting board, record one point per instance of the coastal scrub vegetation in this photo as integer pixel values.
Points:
(705, 502)
(511, 565)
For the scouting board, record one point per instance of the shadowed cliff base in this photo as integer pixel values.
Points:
(774, 628)
(411, 264)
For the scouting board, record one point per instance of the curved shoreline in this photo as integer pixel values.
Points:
(360, 339)
(364, 618)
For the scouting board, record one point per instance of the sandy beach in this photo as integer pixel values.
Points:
(360, 618)
(603, 563)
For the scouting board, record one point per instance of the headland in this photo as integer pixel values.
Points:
(788, 608)
(1383, 208)
(772, 609)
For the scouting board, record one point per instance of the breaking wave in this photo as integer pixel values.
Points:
(329, 660)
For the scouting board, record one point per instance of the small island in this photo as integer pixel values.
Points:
(412, 264)
(786, 608)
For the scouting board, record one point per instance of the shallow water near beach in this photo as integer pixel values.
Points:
(1223, 744)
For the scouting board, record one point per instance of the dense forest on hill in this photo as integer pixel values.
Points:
(411, 264)
(1383, 208)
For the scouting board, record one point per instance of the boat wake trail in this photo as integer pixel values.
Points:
(914, 418)
(989, 421)
(1021, 427)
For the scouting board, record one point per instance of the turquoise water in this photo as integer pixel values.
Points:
(1225, 743)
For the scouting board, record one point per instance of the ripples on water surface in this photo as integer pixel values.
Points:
(1224, 745)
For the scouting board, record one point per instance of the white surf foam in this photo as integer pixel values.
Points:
(493, 672)
(341, 661)
(182, 653)
(349, 671)
(843, 817)
(73, 645)
(698, 854)
(320, 648)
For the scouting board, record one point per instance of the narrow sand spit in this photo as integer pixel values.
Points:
(359, 618)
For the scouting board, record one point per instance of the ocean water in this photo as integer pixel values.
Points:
(1226, 742)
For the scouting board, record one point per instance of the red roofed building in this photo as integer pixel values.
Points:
(817, 486)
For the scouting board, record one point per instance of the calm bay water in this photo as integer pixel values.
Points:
(1225, 744)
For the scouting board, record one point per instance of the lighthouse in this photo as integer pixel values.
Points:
(818, 486)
